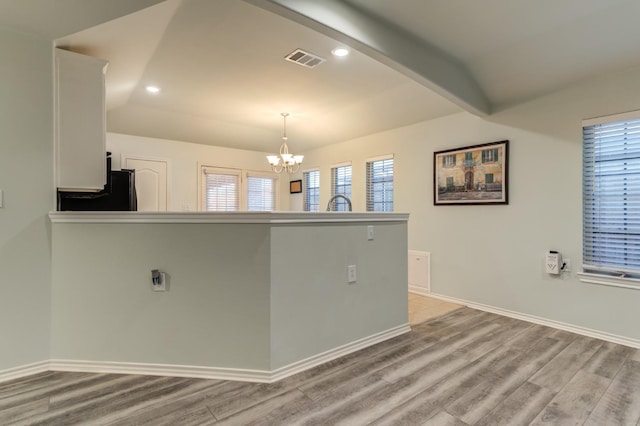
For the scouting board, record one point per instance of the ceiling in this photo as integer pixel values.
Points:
(224, 80)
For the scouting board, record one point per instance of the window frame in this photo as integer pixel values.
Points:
(202, 183)
(593, 273)
(244, 193)
(305, 190)
(370, 206)
(243, 178)
(341, 202)
(448, 161)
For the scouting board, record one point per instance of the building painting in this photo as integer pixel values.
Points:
(478, 170)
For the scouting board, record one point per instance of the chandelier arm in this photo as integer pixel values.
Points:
(279, 168)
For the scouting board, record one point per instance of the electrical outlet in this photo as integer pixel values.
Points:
(553, 263)
(158, 280)
(351, 273)
(567, 265)
(370, 232)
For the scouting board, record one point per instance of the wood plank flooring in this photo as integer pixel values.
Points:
(463, 368)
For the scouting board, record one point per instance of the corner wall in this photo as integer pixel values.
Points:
(493, 255)
(26, 178)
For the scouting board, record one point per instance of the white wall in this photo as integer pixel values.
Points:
(494, 254)
(26, 178)
(183, 159)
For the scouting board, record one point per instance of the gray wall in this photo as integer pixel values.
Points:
(247, 296)
(313, 308)
(494, 255)
(26, 177)
(216, 312)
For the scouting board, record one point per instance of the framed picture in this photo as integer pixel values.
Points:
(477, 174)
(295, 186)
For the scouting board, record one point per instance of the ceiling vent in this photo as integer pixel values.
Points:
(305, 59)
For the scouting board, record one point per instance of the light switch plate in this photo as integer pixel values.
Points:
(370, 232)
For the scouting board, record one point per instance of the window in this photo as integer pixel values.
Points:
(311, 190)
(611, 199)
(221, 190)
(488, 178)
(449, 160)
(490, 155)
(380, 185)
(450, 183)
(468, 159)
(261, 192)
(341, 184)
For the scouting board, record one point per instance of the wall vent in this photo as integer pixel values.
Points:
(305, 59)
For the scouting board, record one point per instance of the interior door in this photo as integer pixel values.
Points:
(151, 182)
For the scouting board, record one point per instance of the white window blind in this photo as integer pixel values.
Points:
(380, 185)
(222, 190)
(311, 190)
(341, 184)
(261, 193)
(611, 198)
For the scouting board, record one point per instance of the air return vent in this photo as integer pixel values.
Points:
(305, 59)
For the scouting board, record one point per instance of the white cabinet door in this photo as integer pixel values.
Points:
(80, 122)
(151, 183)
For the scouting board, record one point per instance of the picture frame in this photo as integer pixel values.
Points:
(295, 186)
(476, 174)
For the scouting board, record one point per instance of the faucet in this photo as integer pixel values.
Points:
(332, 199)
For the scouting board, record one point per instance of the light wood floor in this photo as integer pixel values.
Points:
(422, 308)
(463, 368)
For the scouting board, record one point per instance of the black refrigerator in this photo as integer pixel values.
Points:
(119, 195)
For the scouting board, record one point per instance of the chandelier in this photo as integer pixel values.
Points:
(285, 161)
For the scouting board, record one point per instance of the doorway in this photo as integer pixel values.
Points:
(468, 181)
(151, 182)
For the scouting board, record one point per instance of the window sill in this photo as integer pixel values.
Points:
(608, 280)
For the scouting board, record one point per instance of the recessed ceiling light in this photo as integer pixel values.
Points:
(153, 89)
(340, 51)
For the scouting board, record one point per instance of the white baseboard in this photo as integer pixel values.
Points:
(596, 334)
(259, 376)
(170, 370)
(419, 290)
(24, 370)
(338, 352)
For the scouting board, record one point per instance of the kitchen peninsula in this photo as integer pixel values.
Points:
(251, 296)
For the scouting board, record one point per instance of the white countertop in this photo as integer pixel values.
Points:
(226, 217)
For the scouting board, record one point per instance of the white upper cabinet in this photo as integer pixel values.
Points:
(80, 122)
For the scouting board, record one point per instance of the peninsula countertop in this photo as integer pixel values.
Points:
(280, 217)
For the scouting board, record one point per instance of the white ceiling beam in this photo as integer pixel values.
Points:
(391, 46)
